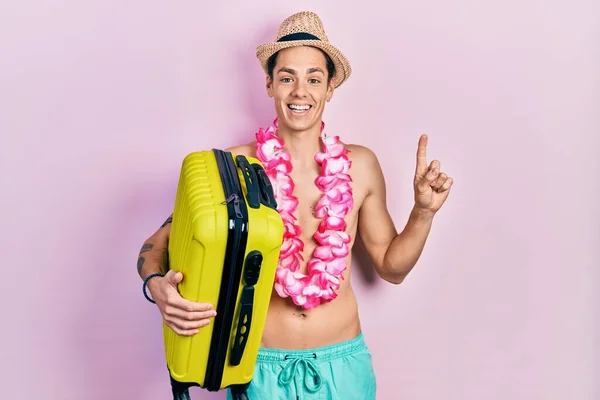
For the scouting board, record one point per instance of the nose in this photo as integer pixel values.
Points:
(299, 89)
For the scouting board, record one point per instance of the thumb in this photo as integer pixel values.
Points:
(174, 277)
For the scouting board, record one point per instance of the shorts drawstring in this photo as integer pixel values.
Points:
(312, 377)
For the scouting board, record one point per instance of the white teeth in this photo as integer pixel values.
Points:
(299, 107)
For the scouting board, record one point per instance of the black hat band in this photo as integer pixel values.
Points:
(298, 36)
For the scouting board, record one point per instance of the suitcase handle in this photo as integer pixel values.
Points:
(251, 273)
(267, 196)
(252, 185)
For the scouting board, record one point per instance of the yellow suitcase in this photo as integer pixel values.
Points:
(226, 236)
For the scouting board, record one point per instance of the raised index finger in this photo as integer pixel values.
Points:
(422, 156)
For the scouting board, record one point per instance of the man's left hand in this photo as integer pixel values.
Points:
(432, 186)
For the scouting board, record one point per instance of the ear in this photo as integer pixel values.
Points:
(330, 90)
(269, 86)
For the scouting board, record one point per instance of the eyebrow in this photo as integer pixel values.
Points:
(293, 71)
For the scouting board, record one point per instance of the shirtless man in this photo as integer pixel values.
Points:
(328, 338)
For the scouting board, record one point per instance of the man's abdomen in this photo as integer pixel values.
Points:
(291, 327)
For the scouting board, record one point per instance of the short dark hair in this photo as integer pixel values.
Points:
(272, 61)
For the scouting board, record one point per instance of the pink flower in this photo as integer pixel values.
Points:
(291, 230)
(286, 203)
(309, 303)
(285, 215)
(316, 265)
(335, 166)
(327, 182)
(280, 290)
(323, 252)
(291, 246)
(338, 239)
(339, 210)
(328, 262)
(330, 280)
(285, 186)
(290, 262)
(335, 223)
(341, 251)
(336, 267)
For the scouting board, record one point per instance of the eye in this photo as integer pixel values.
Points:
(286, 80)
(314, 80)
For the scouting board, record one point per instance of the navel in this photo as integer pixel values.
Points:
(300, 314)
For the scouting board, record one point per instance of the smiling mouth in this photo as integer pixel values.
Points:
(299, 109)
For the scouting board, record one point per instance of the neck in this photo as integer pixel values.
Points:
(302, 145)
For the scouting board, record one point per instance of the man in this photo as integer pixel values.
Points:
(314, 317)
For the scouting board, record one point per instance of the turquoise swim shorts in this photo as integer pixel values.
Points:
(340, 371)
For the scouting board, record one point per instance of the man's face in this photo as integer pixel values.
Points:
(299, 87)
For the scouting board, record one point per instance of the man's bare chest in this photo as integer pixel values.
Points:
(308, 195)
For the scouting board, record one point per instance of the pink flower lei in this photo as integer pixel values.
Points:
(328, 261)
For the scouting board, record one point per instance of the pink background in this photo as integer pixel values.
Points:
(101, 100)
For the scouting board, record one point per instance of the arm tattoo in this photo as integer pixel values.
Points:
(146, 247)
(140, 264)
(167, 222)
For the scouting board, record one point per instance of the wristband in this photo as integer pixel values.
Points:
(146, 284)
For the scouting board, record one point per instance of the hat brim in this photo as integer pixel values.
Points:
(342, 65)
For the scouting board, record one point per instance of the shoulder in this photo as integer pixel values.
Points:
(364, 160)
(366, 169)
(245, 149)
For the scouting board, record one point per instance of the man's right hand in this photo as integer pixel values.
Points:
(184, 317)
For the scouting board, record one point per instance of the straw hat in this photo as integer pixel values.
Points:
(305, 29)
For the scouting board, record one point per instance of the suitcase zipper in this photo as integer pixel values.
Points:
(236, 245)
(236, 204)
